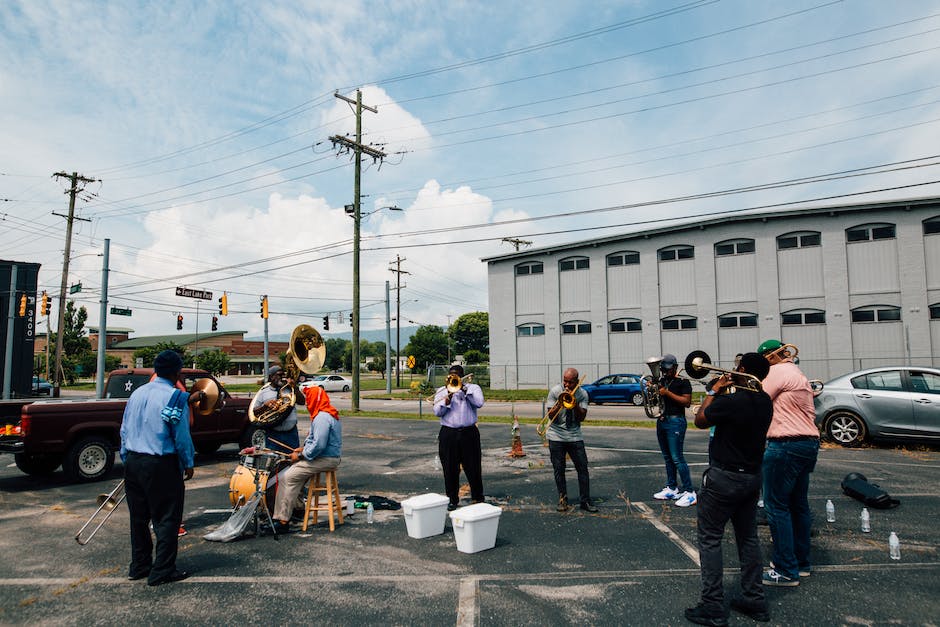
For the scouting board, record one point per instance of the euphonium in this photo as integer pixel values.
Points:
(652, 400)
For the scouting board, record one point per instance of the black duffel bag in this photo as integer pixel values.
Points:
(857, 486)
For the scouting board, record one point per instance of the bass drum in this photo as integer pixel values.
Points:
(241, 487)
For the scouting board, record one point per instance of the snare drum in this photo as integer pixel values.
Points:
(266, 467)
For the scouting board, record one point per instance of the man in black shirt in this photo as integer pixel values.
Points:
(676, 393)
(730, 489)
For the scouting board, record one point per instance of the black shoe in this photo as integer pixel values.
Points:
(700, 616)
(281, 527)
(451, 507)
(754, 611)
(141, 575)
(176, 575)
(562, 504)
(589, 507)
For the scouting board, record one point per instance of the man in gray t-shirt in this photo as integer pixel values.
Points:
(564, 437)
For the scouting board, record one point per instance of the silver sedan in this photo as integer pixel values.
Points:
(900, 403)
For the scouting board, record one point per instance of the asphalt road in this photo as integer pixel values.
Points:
(633, 563)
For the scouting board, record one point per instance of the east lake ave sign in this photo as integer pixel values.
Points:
(191, 293)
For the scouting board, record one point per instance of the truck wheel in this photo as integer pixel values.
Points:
(37, 464)
(207, 448)
(249, 435)
(89, 459)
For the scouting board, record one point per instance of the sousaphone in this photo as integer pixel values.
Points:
(306, 354)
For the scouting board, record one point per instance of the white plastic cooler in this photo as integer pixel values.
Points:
(475, 527)
(425, 515)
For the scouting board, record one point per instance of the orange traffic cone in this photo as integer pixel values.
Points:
(516, 440)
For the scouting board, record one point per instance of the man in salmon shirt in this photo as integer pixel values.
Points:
(790, 457)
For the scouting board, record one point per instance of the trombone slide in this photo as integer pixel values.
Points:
(106, 502)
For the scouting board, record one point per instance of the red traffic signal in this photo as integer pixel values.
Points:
(215, 323)
(326, 323)
(179, 322)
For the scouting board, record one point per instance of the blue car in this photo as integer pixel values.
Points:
(41, 386)
(616, 388)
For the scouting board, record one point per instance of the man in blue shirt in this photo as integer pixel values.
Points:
(321, 451)
(157, 451)
(459, 439)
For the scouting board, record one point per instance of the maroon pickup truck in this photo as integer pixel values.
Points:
(83, 435)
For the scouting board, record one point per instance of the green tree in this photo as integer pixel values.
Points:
(89, 362)
(428, 345)
(474, 356)
(75, 346)
(335, 350)
(148, 353)
(214, 361)
(471, 331)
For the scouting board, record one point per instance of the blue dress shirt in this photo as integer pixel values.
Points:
(143, 429)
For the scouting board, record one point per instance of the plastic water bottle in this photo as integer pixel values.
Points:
(369, 512)
(894, 546)
(866, 521)
(830, 511)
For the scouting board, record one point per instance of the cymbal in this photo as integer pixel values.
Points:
(207, 405)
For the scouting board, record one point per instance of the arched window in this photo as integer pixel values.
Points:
(679, 323)
(741, 246)
(625, 258)
(675, 253)
(869, 232)
(529, 329)
(529, 267)
(932, 225)
(803, 316)
(737, 319)
(574, 263)
(575, 327)
(876, 313)
(625, 325)
(799, 239)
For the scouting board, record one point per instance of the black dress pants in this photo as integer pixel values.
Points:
(456, 448)
(557, 451)
(154, 488)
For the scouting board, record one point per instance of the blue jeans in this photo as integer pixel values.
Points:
(787, 466)
(670, 431)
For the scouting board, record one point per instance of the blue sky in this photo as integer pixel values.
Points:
(207, 125)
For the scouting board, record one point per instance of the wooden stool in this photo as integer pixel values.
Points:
(330, 490)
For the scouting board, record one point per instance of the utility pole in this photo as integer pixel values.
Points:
(398, 271)
(74, 190)
(517, 242)
(377, 155)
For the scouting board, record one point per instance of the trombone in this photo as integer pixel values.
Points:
(697, 365)
(454, 383)
(567, 400)
(106, 502)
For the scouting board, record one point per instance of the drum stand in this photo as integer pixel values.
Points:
(262, 505)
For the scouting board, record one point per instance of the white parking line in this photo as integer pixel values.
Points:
(687, 548)
(468, 602)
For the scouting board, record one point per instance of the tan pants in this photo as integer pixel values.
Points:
(294, 479)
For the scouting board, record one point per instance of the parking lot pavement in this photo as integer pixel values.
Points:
(633, 563)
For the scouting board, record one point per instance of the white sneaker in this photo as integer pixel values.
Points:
(667, 494)
(686, 499)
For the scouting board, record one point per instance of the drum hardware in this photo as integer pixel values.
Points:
(567, 401)
(307, 353)
(697, 364)
(106, 502)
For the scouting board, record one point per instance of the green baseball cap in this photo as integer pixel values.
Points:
(768, 346)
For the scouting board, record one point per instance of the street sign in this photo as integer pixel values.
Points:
(191, 293)
(411, 361)
(75, 288)
(120, 311)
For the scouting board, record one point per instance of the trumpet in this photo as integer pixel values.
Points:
(454, 383)
(106, 502)
(697, 364)
(567, 400)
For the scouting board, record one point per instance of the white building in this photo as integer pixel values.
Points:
(851, 286)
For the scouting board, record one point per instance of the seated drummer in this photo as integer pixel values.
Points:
(321, 451)
(282, 437)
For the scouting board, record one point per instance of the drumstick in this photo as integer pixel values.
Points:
(281, 444)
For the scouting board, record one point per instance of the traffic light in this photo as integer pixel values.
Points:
(223, 305)
(350, 318)
(179, 322)
(264, 307)
(326, 323)
(215, 323)
(23, 306)
(45, 304)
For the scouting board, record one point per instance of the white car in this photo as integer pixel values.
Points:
(329, 382)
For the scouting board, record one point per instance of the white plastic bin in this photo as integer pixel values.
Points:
(475, 527)
(425, 515)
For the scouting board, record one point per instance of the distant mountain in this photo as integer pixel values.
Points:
(371, 335)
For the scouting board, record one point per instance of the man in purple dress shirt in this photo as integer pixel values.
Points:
(458, 441)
